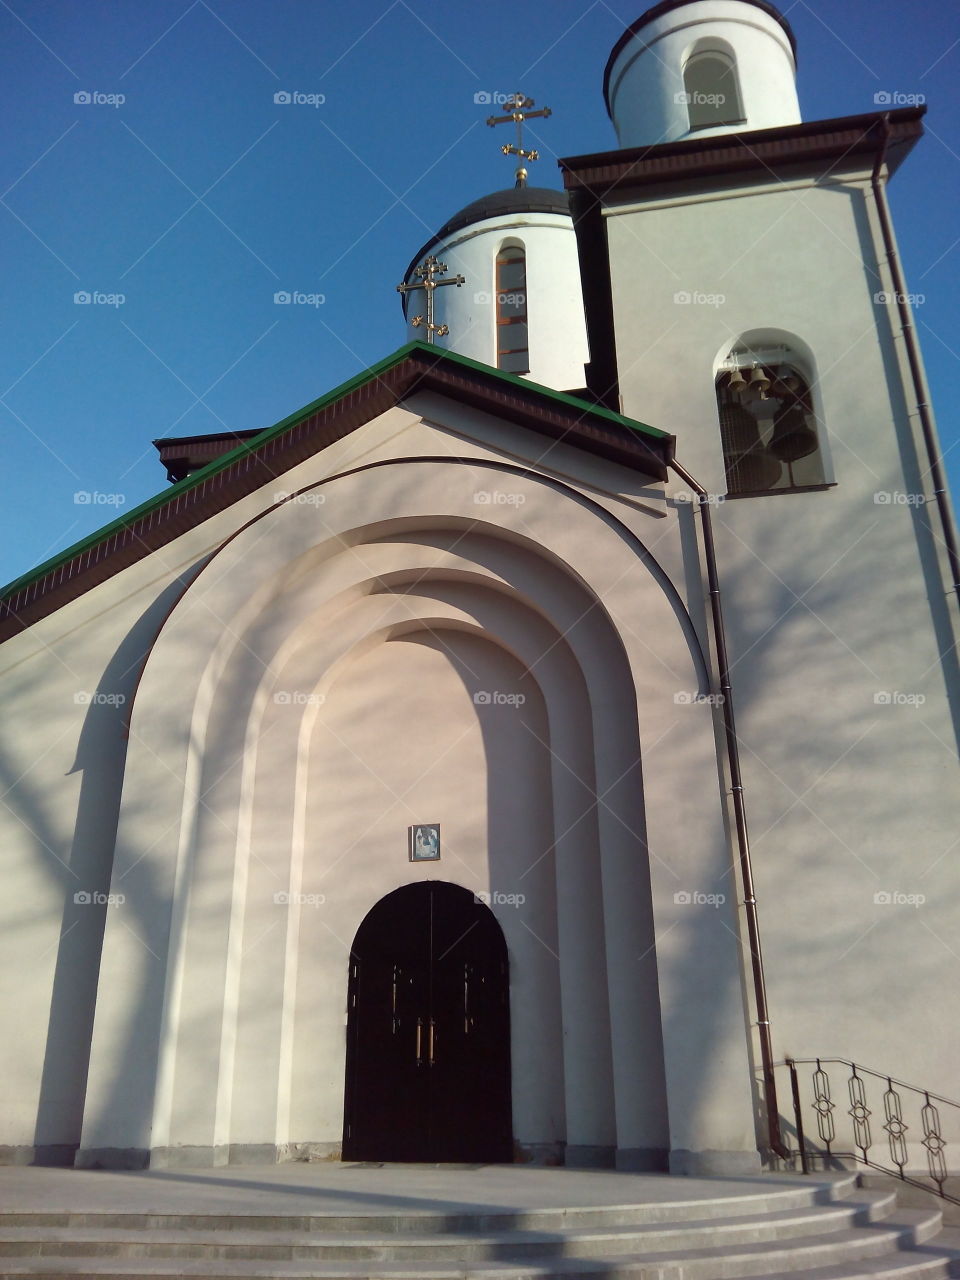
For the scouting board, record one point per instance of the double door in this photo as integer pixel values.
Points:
(428, 1031)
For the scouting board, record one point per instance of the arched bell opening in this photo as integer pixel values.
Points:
(768, 423)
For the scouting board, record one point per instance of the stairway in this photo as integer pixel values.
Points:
(821, 1228)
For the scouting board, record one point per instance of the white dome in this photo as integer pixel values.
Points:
(536, 221)
(693, 68)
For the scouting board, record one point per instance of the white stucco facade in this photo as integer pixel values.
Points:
(280, 693)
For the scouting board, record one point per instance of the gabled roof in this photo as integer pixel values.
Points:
(269, 453)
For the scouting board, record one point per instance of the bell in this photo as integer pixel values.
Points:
(752, 472)
(792, 437)
(759, 381)
(736, 382)
(788, 378)
(749, 464)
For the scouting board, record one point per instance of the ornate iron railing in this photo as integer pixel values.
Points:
(851, 1128)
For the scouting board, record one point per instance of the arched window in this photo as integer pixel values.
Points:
(712, 90)
(513, 354)
(768, 427)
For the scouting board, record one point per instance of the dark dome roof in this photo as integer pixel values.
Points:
(496, 205)
(667, 6)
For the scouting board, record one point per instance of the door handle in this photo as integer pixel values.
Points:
(419, 1042)
(433, 1027)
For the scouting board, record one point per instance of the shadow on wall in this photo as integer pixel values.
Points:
(85, 880)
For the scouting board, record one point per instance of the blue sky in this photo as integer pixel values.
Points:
(198, 197)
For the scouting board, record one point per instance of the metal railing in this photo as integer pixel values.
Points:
(844, 1129)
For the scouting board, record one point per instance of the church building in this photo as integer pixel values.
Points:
(522, 750)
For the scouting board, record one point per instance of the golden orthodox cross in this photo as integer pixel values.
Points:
(428, 270)
(517, 107)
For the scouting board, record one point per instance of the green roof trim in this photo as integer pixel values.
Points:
(269, 433)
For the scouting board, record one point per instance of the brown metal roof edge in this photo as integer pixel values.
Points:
(208, 495)
(756, 149)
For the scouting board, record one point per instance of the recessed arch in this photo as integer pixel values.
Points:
(711, 85)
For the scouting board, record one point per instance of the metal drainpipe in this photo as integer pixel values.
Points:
(913, 356)
(740, 813)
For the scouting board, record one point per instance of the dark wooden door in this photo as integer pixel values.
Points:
(428, 1031)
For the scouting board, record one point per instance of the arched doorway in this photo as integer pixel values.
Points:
(428, 1031)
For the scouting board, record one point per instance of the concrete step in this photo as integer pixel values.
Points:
(798, 1194)
(853, 1251)
(860, 1208)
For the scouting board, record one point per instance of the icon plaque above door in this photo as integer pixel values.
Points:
(425, 843)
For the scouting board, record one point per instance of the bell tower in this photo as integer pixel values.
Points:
(744, 292)
(693, 70)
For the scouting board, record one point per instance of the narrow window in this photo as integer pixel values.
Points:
(513, 355)
(768, 428)
(712, 93)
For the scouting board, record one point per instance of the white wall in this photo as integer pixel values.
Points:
(831, 599)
